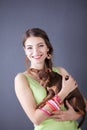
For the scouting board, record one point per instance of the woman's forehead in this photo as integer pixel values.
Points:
(34, 41)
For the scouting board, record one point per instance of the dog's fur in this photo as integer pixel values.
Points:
(52, 81)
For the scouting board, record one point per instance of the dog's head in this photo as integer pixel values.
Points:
(49, 78)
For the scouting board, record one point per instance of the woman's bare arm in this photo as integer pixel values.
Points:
(67, 85)
(69, 114)
(26, 99)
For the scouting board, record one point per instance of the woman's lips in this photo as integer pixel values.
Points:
(37, 57)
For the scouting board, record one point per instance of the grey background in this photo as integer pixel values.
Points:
(65, 22)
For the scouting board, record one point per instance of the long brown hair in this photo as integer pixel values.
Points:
(37, 32)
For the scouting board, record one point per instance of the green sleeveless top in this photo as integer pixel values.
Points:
(49, 124)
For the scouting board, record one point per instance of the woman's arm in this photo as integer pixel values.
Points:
(27, 101)
(69, 114)
(67, 85)
(85, 102)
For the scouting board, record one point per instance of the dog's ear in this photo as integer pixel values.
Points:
(42, 75)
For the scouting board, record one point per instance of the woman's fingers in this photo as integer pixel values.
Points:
(69, 114)
(70, 84)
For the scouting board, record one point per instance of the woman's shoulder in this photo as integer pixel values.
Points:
(62, 70)
(21, 80)
(20, 76)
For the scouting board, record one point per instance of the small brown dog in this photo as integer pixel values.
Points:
(52, 81)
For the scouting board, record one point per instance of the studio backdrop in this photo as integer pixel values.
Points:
(65, 22)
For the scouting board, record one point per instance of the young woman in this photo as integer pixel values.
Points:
(38, 51)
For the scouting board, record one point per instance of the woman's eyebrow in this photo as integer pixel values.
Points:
(28, 45)
(40, 43)
(36, 44)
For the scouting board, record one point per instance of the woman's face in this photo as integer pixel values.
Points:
(36, 50)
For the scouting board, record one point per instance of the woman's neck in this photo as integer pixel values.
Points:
(37, 66)
(33, 72)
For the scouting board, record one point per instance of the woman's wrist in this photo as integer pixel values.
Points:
(51, 105)
(62, 94)
(46, 110)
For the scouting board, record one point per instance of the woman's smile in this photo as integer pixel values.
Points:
(37, 57)
(36, 50)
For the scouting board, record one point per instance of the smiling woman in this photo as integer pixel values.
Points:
(38, 50)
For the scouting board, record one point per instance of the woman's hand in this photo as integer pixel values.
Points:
(67, 86)
(65, 115)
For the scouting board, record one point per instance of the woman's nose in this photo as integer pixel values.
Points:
(35, 51)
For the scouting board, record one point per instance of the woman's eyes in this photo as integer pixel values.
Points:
(41, 45)
(31, 47)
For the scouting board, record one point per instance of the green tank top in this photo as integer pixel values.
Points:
(50, 124)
